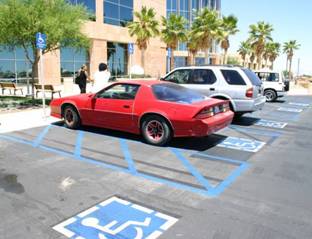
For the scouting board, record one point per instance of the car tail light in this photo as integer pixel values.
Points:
(205, 113)
(249, 93)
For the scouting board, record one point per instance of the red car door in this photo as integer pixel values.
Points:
(114, 107)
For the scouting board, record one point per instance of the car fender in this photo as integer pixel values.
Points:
(224, 96)
(157, 112)
(70, 102)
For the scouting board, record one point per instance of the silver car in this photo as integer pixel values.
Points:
(240, 86)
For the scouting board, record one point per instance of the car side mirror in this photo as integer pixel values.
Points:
(162, 78)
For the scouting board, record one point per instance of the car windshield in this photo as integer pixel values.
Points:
(252, 77)
(176, 93)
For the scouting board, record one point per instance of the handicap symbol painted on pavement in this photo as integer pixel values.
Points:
(290, 110)
(242, 144)
(271, 124)
(299, 104)
(116, 218)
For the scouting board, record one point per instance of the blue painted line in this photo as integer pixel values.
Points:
(83, 159)
(127, 155)
(219, 158)
(192, 169)
(208, 191)
(256, 131)
(40, 137)
(16, 139)
(78, 144)
(230, 179)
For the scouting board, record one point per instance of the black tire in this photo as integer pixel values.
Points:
(270, 95)
(71, 117)
(238, 115)
(156, 130)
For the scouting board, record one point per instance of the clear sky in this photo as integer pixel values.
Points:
(291, 20)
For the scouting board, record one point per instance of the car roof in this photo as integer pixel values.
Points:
(142, 82)
(210, 66)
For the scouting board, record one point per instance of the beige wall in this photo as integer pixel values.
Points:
(100, 34)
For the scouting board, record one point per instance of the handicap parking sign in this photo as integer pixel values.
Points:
(271, 124)
(289, 110)
(242, 144)
(41, 40)
(116, 218)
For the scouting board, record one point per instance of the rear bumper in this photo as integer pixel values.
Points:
(204, 127)
(281, 93)
(250, 105)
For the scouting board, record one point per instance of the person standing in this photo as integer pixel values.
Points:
(83, 78)
(101, 78)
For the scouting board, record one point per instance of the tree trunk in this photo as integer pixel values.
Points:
(207, 56)
(259, 62)
(289, 72)
(143, 59)
(172, 60)
(272, 65)
(225, 56)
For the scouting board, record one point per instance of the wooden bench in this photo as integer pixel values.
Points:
(10, 86)
(47, 88)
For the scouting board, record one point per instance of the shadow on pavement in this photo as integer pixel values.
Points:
(192, 143)
(245, 121)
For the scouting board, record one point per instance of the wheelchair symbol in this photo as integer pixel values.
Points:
(94, 223)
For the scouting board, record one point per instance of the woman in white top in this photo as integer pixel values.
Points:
(101, 78)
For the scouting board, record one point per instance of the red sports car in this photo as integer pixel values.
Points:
(157, 110)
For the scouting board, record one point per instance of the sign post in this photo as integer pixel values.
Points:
(130, 51)
(41, 43)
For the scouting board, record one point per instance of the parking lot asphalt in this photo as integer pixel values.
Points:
(250, 180)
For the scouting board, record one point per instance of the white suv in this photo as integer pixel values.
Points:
(274, 84)
(239, 85)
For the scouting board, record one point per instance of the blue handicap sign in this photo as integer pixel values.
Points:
(41, 40)
(131, 48)
(242, 144)
(292, 110)
(271, 124)
(116, 218)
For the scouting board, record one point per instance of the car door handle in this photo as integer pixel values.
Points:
(127, 106)
(212, 89)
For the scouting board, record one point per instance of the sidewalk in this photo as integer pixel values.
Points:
(25, 120)
(298, 90)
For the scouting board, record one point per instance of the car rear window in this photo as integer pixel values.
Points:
(232, 77)
(252, 77)
(176, 93)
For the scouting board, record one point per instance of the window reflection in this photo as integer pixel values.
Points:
(89, 4)
(117, 58)
(118, 12)
(72, 60)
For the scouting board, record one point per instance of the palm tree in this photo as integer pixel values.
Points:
(144, 28)
(273, 49)
(193, 48)
(289, 48)
(244, 50)
(260, 33)
(205, 28)
(228, 27)
(173, 32)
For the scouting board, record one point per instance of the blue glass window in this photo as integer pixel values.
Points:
(14, 65)
(89, 4)
(117, 58)
(72, 60)
(118, 12)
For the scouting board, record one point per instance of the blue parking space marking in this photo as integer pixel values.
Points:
(242, 144)
(271, 124)
(299, 104)
(116, 218)
(40, 137)
(291, 110)
(206, 190)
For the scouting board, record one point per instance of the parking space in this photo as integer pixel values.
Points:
(188, 176)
